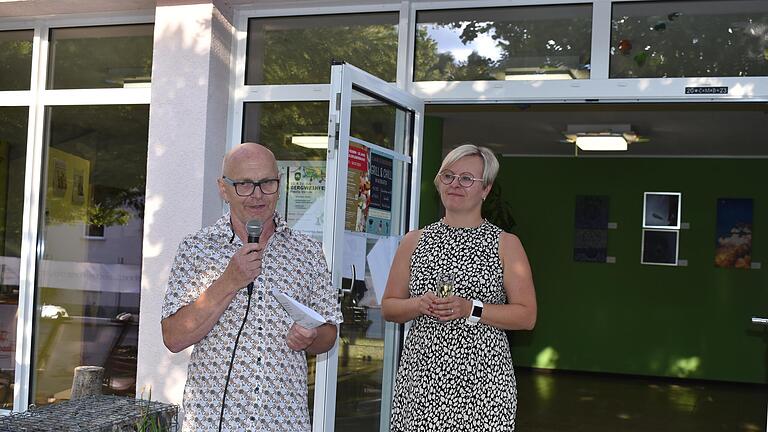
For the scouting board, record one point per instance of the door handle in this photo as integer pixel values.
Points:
(761, 321)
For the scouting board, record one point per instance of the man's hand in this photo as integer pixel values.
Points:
(245, 265)
(299, 338)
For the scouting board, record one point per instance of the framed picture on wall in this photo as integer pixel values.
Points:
(660, 247)
(661, 210)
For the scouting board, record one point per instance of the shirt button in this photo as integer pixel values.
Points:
(261, 328)
(260, 297)
(253, 418)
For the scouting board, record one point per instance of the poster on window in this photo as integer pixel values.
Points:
(590, 242)
(7, 336)
(358, 198)
(380, 208)
(733, 247)
(304, 202)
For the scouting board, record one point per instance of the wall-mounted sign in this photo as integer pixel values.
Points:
(706, 90)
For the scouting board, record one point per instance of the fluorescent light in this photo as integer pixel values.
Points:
(601, 143)
(538, 77)
(310, 141)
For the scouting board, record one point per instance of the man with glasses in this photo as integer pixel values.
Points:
(248, 369)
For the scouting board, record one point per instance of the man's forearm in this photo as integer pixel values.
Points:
(194, 321)
(326, 337)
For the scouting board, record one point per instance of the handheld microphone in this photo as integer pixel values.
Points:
(253, 228)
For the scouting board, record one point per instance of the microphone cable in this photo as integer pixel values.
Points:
(234, 351)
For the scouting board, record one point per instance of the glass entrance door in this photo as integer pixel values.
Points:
(373, 160)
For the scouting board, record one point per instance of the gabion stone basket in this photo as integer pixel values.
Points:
(101, 413)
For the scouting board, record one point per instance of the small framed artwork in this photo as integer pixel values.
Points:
(661, 210)
(660, 247)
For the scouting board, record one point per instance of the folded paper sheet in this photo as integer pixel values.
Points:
(301, 314)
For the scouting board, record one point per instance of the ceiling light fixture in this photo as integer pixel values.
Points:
(606, 137)
(310, 141)
(608, 142)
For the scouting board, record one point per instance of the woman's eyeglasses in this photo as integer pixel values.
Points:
(465, 179)
(246, 188)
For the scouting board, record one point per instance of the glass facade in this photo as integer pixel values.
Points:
(13, 145)
(88, 288)
(15, 59)
(299, 50)
(689, 39)
(100, 57)
(516, 43)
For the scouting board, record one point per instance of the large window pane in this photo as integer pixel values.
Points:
(88, 285)
(514, 43)
(296, 132)
(689, 39)
(100, 57)
(13, 145)
(15, 59)
(299, 50)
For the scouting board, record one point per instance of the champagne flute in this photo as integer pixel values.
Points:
(445, 285)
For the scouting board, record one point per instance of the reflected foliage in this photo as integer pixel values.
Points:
(113, 139)
(300, 50)
(101, 57)
(523, 46)
(671, 43)
(15, 60)
(273, 125)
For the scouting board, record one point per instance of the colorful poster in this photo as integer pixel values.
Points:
(733, 247)
(358, 197)
(380, 208)
(305, 195)
(590, 242)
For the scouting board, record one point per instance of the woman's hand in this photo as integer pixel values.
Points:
(451, 308)
(427, 304)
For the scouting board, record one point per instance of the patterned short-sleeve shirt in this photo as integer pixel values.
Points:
(268, 386)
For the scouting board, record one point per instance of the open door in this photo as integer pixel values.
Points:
(372, 195)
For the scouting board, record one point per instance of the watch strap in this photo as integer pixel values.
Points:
(476, 313)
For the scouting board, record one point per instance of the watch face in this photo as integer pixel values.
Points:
(477, 311)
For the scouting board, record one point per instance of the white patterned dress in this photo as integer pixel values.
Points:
(268, 387)
(455, 376)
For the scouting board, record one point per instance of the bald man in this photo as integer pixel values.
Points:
(245, 342)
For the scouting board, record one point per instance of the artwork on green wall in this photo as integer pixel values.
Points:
(661, 210)
(590, 242)
(660, 247)
(733, 248)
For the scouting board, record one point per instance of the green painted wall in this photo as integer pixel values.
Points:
(432, 156)
(627, 317)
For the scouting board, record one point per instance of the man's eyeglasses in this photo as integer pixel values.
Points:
(465, 179)
(246, 188)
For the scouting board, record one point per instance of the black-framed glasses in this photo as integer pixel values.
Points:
(465, 179)
(246, 187)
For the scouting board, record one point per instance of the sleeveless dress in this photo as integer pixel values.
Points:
(455, 376)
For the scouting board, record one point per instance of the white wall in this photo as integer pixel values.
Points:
(187, 140)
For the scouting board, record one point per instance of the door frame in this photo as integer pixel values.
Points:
(345, 79)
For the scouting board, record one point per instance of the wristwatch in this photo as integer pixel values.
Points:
(477, 312)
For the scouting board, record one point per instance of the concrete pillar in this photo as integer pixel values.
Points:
(187, 140)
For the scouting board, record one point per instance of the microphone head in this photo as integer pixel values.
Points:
(253, 228)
